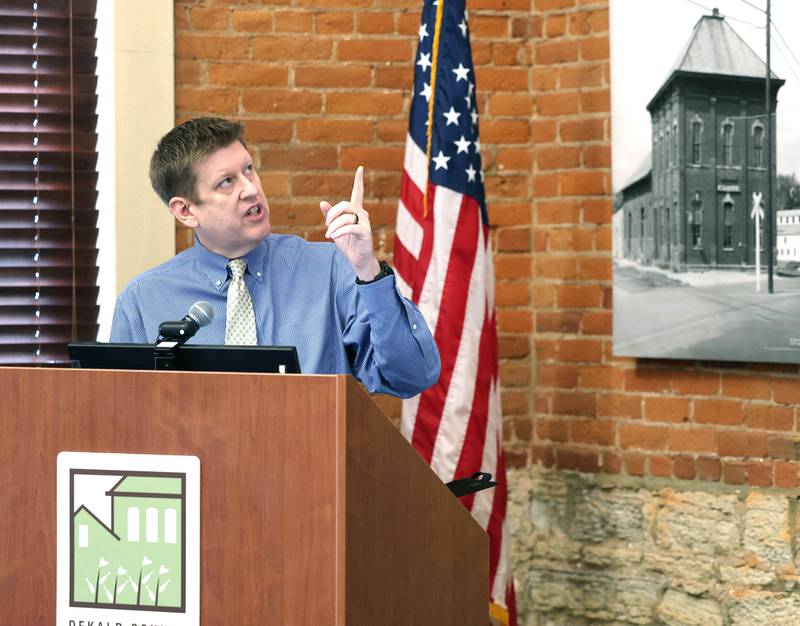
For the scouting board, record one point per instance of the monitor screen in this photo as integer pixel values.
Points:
(188, 357)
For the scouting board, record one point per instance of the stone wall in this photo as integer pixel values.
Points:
(595, 549)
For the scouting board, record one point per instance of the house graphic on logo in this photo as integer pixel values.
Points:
(138, 560)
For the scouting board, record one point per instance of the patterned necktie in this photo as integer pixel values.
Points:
(240, 326)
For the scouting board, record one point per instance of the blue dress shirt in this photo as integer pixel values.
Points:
(304, 295)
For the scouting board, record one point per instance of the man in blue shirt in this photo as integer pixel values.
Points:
(336, 303)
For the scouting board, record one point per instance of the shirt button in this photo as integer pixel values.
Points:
(414, 326)
(258, 274)
(219, 282)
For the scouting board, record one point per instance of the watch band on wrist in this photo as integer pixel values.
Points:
(386, 270)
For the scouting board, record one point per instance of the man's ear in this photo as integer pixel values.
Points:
(183, 210)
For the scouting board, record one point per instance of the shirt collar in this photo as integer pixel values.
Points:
(215, 266)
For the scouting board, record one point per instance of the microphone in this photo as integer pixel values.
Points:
(200, 314)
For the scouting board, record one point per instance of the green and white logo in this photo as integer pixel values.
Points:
(128, 529)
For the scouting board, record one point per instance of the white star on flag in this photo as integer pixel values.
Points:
(471, 173)
(474, 116)
(471, 87)
(441, 160)
(461, 72)
(469, 102)
(478, 146)
(426, 91)
(451, 116)
(423, 31)
(463, 27)
(424, 61)
(463, 145)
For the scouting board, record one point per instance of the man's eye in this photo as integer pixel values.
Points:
(249, 169)
(225, 181)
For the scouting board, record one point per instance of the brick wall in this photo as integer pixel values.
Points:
(324, 86)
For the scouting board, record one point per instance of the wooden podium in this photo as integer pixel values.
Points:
(314, 509)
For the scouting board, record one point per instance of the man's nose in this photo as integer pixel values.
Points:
(249, 187)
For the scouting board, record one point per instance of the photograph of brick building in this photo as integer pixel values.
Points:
(691, 224)
(691, 208)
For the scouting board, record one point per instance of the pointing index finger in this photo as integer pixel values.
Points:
(357, 197)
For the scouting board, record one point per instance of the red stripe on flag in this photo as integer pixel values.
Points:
(404, 262)
(475, 438)
(495, 526)
(449, 325)
(411, 196)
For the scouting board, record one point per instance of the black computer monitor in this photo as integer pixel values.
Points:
(188, 357)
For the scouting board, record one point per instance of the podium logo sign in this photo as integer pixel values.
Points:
(128, 539)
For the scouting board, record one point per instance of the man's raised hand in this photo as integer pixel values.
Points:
(349, 228)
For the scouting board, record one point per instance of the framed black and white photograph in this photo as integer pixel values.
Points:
(706, 243)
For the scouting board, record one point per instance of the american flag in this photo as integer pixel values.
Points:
(443, 259)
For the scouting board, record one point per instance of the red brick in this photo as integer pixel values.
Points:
(734, 473)
(634, 463)
(269, 131)
(552, 429)
(510, 104)
(595, 101)
(543, 455)
(739, 386)
(709, 469)
(293, 21)
(786, 475)
(580, 296)
(555, 25)
(505, 131)
(784, 447)
(247, 75)
(196, 46)
(594, 48)
(573, 350)
(641, 379)
(759, 474)
(587, 462)
(661, 466)
(601, 377)
(485, 25)
(728, 412)
(683, 468)
(618, 405)
(736, 443)
(556, 267)
(588, 129)
(327, 76)
(552, 52)
(767, 417)
(377, 50)
(369, 103)
(787, 391)
(512, 294)
(514, 374)
(592, 431)
(375, 23)
(513, 266)
(596, 156)
(557, 104)
(558, 158)
(596, 323)
(281, 101)
(328, 130)
(557, 375)
(210, 18)
(514, 240)
(695, 383)
(666, 409)
(334, 23)
(594, 268)
(574, 403)
(258, 21)
(394, 78)
(319, 157)
(692, 440)
(206, 100)
(584, 183)
(501, 79)
(587, 22)
(288, 48)
(643, 437)
(379, 158)
(612, 463)
(514, 321)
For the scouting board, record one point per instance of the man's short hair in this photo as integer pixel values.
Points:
(172, 170)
